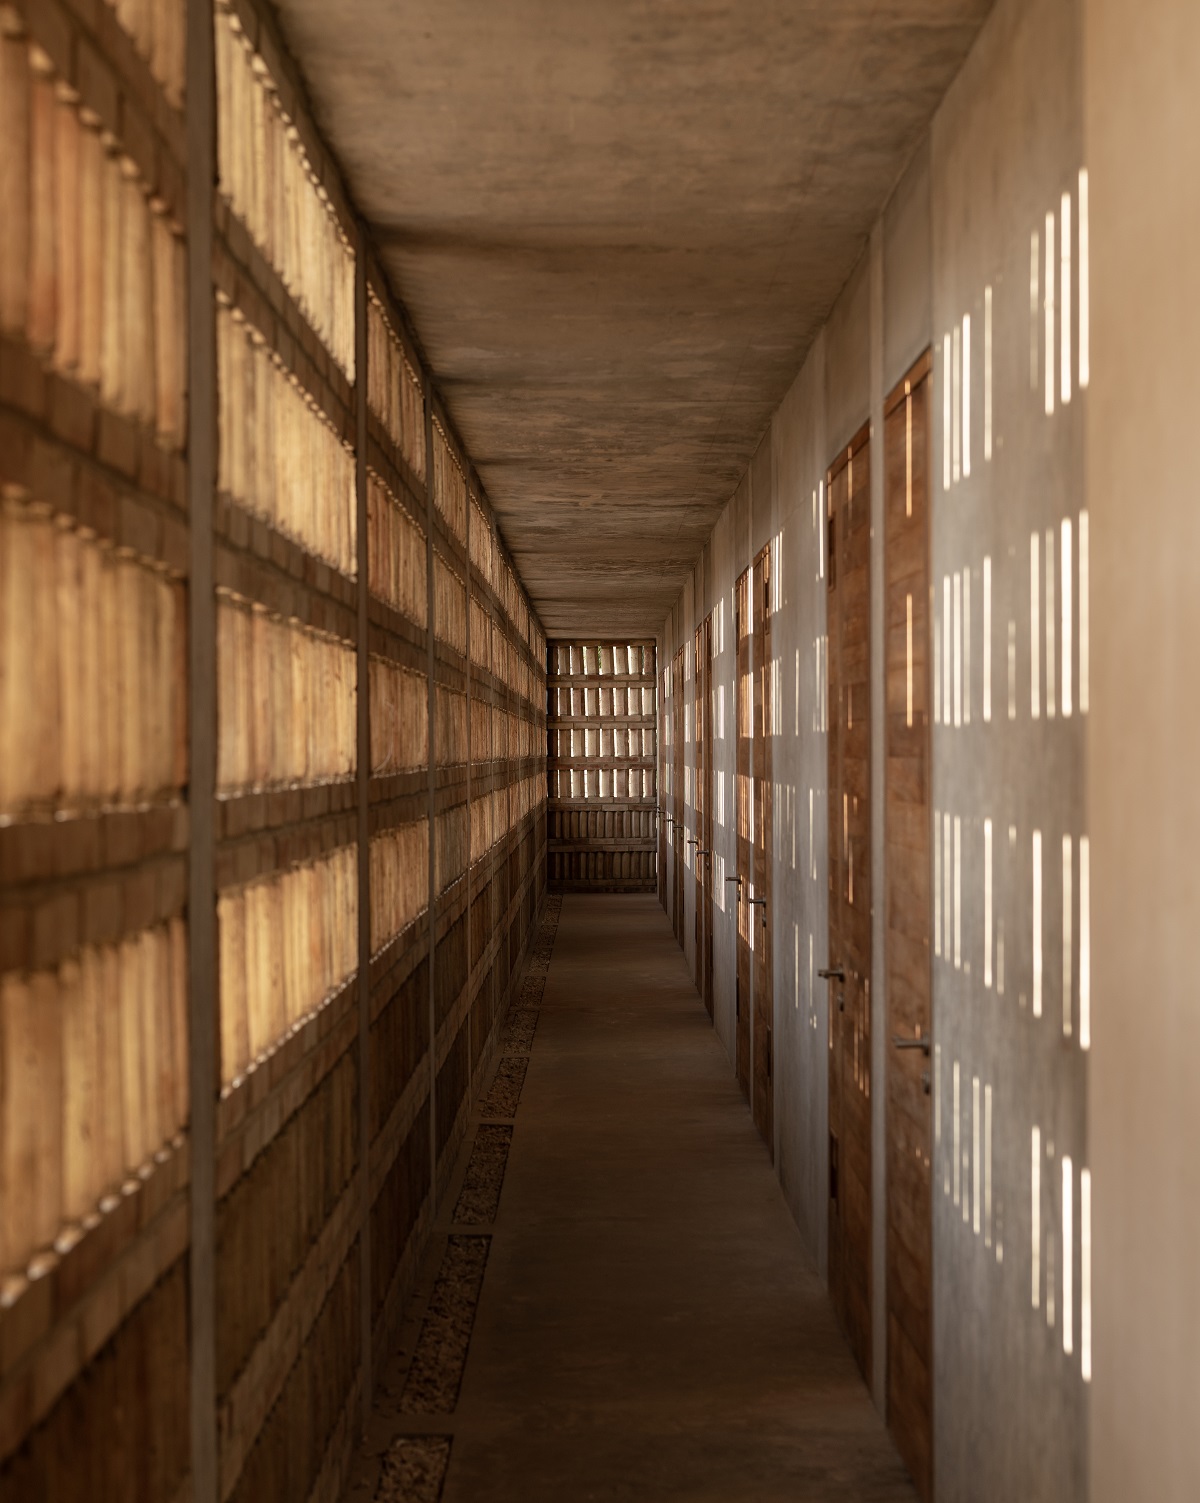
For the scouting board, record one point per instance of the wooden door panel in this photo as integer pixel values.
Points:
(678, 833)
(909, 1376)
(743, 793)
(907, 907)
(849, 751)
(907, 564)
(764, 1000)
(909, 781)
(706, 867)
(700, 739)
(908, 988)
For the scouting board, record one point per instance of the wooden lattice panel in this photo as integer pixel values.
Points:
(267, 176)
(91, 266)
(394, 392)
(272, 724)
(602, 768)
(93, 695)
(281, 458)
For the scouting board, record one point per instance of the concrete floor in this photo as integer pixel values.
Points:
(650, 1326)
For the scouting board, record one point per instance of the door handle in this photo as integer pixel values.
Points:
(921, 1044)
(835, 973)
(758, 902)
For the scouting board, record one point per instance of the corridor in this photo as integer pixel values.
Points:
(598, 796)
(648, 1325)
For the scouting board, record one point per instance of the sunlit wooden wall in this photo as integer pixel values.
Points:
(346, 1050)
(603, 766)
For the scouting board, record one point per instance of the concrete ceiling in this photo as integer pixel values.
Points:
(617, 226)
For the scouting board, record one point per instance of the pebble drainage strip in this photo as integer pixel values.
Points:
(414, 1467)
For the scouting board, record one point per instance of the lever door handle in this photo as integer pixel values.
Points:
(921, 1044)
(691, 841)
(758, 902)
(738, 880)
(835, 973)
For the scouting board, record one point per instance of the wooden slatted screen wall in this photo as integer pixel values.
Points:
(602, 768)
(94, 827)
(285, 268)
(429, 810)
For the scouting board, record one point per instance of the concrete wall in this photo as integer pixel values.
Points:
(955, 241)
(1006, 146)
(1142, 118)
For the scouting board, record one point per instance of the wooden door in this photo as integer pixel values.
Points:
(739, 891)
(663, 740)
(702, 701)
(709, 814)
(907, 873)
(849, 955)
(678, 833)
(762, 918)
(697, 842)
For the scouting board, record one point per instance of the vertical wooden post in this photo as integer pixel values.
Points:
(362, 795)
(203, 1074)
(431, 668)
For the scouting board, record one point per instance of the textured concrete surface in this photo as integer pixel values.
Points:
(650, 1326)
(1142, 127)
(618, 227)
(1005, 144)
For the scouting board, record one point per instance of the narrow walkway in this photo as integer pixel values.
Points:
(648, 1325)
